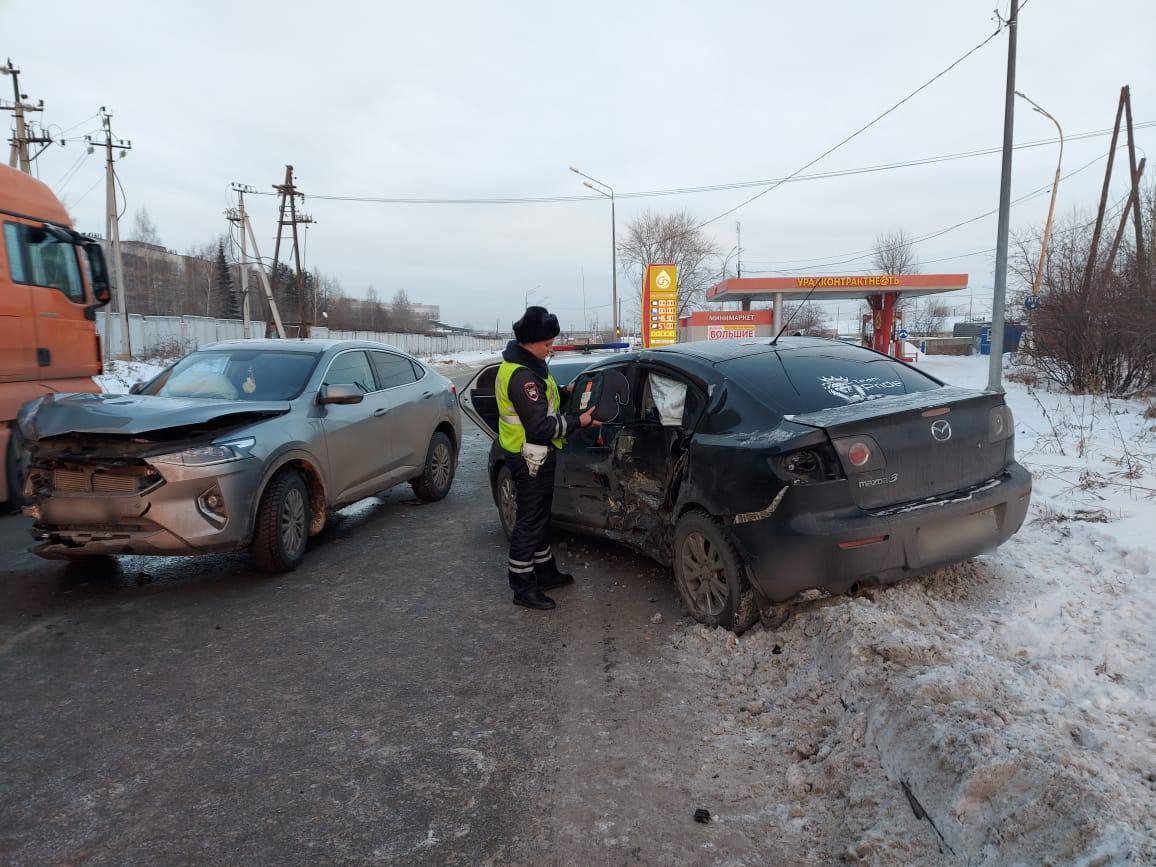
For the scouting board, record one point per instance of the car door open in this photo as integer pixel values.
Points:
(479, 401)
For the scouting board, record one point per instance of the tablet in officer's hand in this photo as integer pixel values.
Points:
(610, 391)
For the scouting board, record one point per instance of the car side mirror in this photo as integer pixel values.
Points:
(137, 388)
(339, 394)
(98, 269)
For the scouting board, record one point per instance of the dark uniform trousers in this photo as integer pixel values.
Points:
(531, 559)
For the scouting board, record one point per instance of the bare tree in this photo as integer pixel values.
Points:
(1097, 337)
(143, 228)
(895, 253)
(804, 319)
(927, 317)
(401, 311)
(672, 239)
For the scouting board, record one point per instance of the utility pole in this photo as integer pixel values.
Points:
(18, 155)
(239, 218)
(112, 227)
(739, 248)
(287, 215)
(995, 367)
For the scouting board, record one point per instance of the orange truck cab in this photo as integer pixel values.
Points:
(52, 281)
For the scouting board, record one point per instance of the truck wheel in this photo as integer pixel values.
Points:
(710, 575)
(437, 476)
(15, 471)
(506, 498)
(282, 526)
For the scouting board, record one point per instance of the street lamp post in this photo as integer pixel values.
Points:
(526, 295)
(597, 185)
(1052, 205)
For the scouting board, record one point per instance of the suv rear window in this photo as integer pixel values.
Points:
(807, 380)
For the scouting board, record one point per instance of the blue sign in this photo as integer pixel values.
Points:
(902, 333)
(1032, 302)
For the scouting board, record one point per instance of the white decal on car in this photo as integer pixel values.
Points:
(857, 390)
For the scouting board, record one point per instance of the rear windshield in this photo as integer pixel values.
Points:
(800, 381)
(240, 374)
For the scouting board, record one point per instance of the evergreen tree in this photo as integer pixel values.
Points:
(227, 303)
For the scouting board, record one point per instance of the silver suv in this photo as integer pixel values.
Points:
(244, 443)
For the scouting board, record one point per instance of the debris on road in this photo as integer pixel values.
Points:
(702, 815)
(656, 617)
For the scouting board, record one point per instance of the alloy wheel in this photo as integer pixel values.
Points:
(507, 501)
(293, 522)
(703, 575)
(441, 462)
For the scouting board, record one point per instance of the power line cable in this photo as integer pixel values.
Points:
(857, 255)
(859, 131)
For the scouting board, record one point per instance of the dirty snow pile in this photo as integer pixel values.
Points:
(998, 711)
(120, 376)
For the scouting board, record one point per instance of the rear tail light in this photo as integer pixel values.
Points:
(1000, 424)
(453, 390)
(809, 465)
(860, 454)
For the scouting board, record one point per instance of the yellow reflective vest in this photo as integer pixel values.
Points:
(511, 432)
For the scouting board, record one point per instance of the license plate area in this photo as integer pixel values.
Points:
(958, 536)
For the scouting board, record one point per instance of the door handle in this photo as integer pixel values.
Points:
(380, 411)
(427, 395)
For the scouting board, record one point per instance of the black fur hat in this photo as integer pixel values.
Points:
(537, 324)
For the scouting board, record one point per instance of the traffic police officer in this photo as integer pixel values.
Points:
(531, 426)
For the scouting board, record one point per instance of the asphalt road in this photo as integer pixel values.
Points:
(385, 702)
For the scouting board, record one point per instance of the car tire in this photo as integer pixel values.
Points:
(711, 576)
(437, 476)
(281, 530)
(506, 499)
(15, 470)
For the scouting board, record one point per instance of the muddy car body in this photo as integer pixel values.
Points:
(760, 471)
(244, 443)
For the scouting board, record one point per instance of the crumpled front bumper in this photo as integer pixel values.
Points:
(180, 515)
(814, 540)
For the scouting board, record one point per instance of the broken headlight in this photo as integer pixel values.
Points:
(204, 456)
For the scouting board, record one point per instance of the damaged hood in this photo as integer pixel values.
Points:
(135, 414)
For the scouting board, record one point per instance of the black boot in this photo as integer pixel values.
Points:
(558, 579)
(548, 576)
(534, 598)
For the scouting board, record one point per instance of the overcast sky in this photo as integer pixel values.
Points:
(493, 100)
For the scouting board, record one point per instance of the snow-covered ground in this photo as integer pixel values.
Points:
(999, 711)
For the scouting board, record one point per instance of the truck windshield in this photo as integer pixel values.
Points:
(239, 374)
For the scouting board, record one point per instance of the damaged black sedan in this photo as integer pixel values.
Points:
(245, 443)
(761, 470)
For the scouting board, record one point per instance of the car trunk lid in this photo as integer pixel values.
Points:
(921, 445)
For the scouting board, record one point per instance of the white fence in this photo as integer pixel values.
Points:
(152, 336)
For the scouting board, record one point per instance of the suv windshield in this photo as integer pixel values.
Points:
(800, 381)
(236, 374)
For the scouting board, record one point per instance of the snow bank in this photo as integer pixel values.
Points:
(999, 711)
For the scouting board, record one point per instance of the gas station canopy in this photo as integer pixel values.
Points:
(880, 291)
(833, 288)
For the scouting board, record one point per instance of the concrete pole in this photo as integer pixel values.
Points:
(124, 345)
(248, 227)
(995, 367)
(778, 312)
(246, 315)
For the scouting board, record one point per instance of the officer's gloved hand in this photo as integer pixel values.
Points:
(534, 456)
